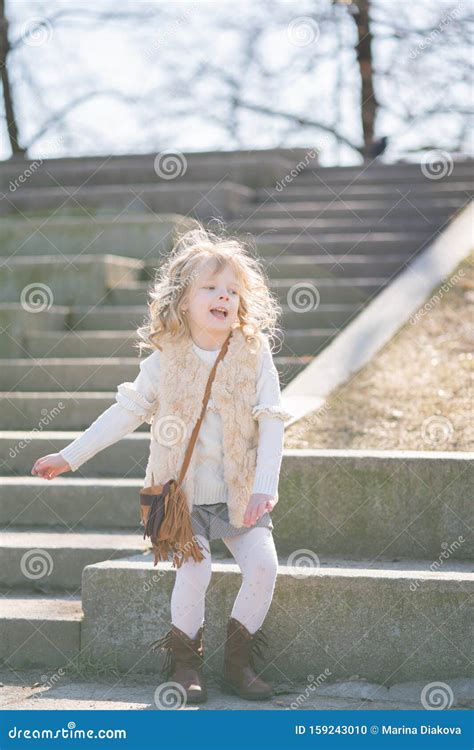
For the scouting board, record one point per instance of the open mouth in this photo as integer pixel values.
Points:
(219, 312)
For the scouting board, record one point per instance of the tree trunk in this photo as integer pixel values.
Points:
(11, 124)
(369, 103)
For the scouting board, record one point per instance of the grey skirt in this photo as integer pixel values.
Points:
(212, 521)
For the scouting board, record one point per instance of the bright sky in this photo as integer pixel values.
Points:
(155, 59)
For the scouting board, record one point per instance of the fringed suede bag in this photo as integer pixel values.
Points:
(163, 507)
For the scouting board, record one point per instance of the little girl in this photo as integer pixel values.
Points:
(208, 288)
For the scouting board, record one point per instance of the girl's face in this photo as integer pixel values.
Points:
(213, 303)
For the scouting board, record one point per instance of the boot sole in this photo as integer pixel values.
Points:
(196, 699)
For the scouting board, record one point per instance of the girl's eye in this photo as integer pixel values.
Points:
(211, 287)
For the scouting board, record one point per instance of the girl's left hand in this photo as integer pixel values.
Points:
(258, 505)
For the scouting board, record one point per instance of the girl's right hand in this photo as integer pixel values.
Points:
(50, 466)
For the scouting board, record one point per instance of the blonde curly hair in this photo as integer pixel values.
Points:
(258, 309)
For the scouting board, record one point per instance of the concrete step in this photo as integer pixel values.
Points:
(258, 167)
(39, 630)
(331, 290)
(67, 374)
(83, 344)
(371, 244)
(134, 235)
(116, 169)
(70, 503)
(60, 410)
(16, 319)
(339, 208)
(64, 280)
(318, 191)
(122, 343)
(355, 504)
(319, 223)
(49, 560)
(79, 374)
(411, 175)
(203, 199)
(352, 617)
(318, 265)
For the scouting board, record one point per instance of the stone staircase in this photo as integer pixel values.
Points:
(359, 534)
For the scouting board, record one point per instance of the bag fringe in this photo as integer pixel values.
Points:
(176, 535)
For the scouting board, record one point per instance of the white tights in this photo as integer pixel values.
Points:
(254, 551)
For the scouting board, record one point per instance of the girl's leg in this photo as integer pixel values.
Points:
(255, 553)
(189, 591)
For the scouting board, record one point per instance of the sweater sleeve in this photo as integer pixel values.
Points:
(136, 403)
(271, 417)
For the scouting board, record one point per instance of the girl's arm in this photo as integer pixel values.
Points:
(271, 418)
(136, 403)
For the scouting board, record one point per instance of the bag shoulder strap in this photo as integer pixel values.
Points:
(207, 393)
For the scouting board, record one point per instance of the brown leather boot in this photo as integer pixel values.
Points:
(184, 661)
(239, 669)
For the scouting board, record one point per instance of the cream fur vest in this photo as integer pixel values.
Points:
(182, 380)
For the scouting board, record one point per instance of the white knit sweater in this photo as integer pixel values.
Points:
(129, 412)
